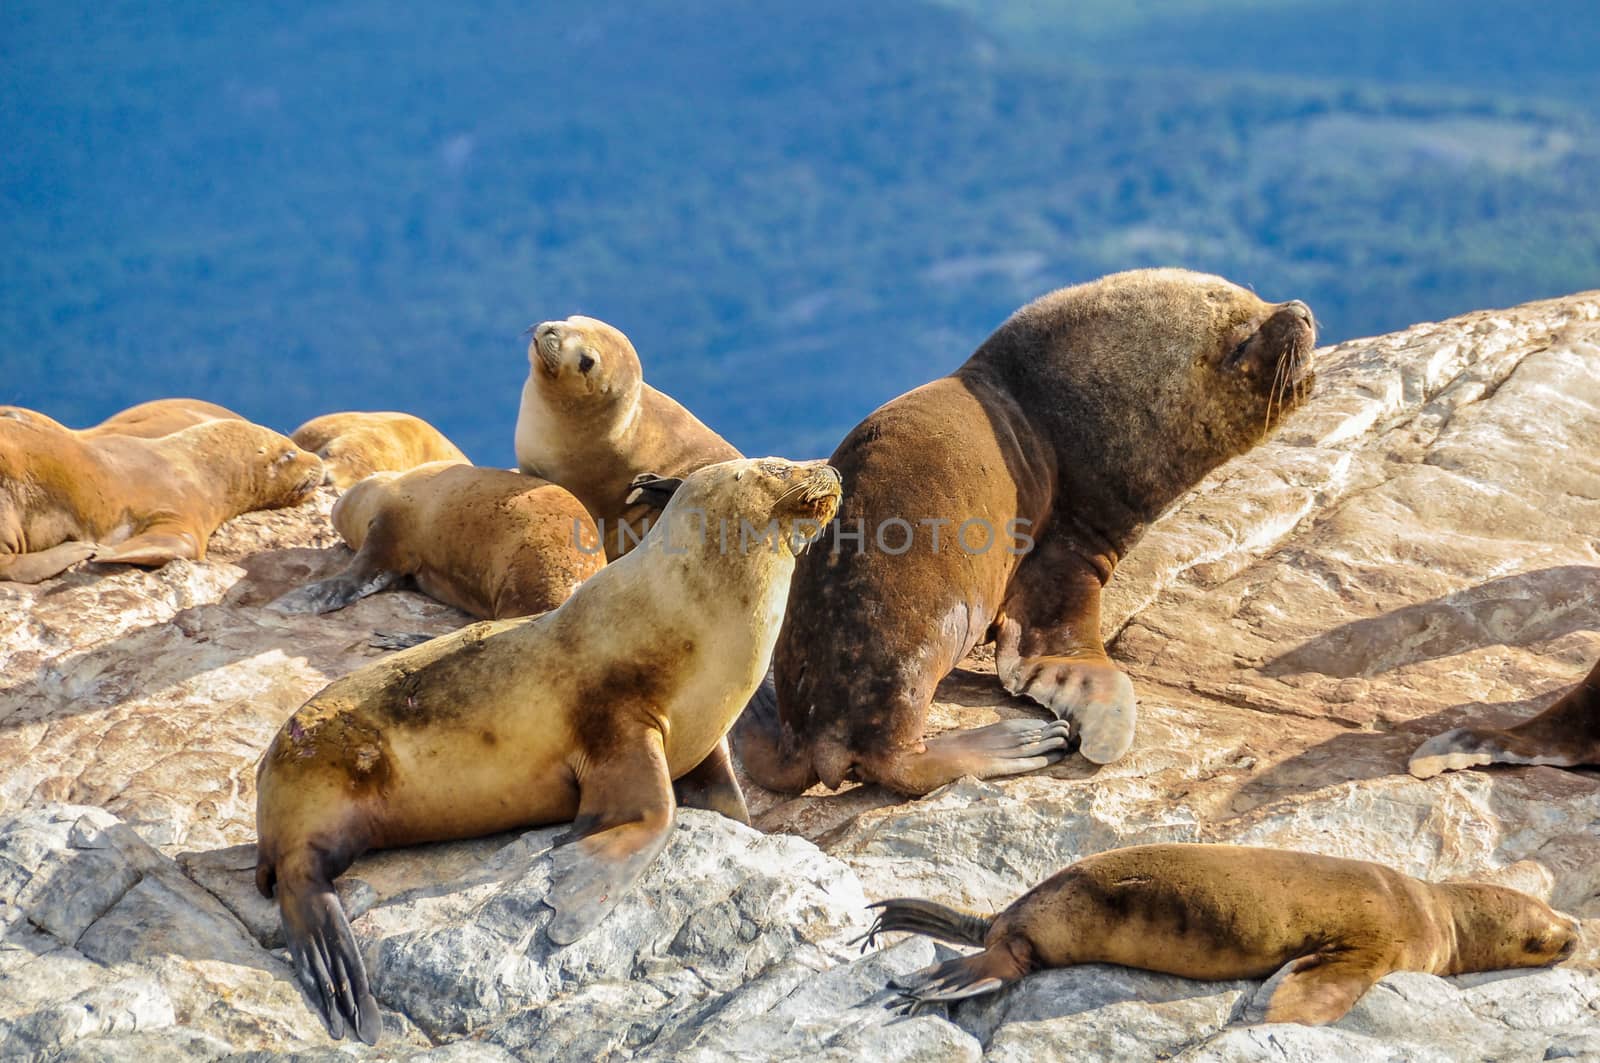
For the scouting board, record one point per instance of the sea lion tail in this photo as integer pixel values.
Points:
(326, 960)
(757, 738)
(911, 916)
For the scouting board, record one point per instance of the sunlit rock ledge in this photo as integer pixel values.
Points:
(1418, 547)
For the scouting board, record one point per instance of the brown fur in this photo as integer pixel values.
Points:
(590, 423)
(162, 417)
(492, 543)
(1084, 415)
(1221, 912)
(586, 713)
(66, 497)
(1567, 735)
(355, 445)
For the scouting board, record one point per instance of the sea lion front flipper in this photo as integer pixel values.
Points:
(1048, 648)
(42, 564)
(711, 784)
(1320, 989)
(625, 814)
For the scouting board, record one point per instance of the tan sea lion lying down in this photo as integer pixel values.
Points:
(493, 543)
(1220, 912)
(67, 496)
(355, 444)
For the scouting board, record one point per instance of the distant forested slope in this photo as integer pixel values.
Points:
(796, 211)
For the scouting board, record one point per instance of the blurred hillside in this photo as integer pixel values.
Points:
(796, 213)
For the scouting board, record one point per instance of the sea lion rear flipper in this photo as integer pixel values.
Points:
(910, 915)
(152, 549)
(397, 640)
(363, 576)
(42, 564)
(325, 956)
(652, 490)
(969, 976)
(711, 784)
(1565, 735)
(1320, 989)
(758, 738)
(625, 814)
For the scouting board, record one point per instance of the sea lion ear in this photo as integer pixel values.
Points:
(648, 487)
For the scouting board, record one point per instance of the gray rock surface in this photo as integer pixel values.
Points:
(1418, 547)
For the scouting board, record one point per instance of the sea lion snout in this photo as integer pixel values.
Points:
(545, 350)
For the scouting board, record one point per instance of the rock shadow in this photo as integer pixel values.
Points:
(1517, 610)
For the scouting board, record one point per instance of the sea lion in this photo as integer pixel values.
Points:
(161, 417)
(993, 504)
(493, 543)
(1218, 912)
(1565, 735)
(355, 445)
(590, 711)
(590, 423)
(65, 497)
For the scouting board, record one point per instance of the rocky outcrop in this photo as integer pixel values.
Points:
(1418, 547)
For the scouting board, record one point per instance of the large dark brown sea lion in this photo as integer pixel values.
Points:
(66, 497)
(1566, 735)
(493, 543)
(590, 712)
(590, 423)
(994, 504)
(1219, 912)
(354, 445)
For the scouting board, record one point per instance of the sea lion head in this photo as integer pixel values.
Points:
(745, 505)
(1498, 927)
(1154, 377)
(583, 360)
(280, 473)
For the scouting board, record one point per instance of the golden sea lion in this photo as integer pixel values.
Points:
(161, 417)
(590, 712)
(355, 445)
(1566, 735)
(993, 505)
(590, 423)
(493, 543)
(1220, 912)
(66, 497)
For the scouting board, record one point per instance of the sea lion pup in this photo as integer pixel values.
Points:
(161, 417)
(1219, 912)
(355, 445)
(66, 498)
(1566, 735)
(493, 543)
(590, 712)
(590, 423)
(993, 504)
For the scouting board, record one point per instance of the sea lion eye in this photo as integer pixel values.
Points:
(585, 362)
